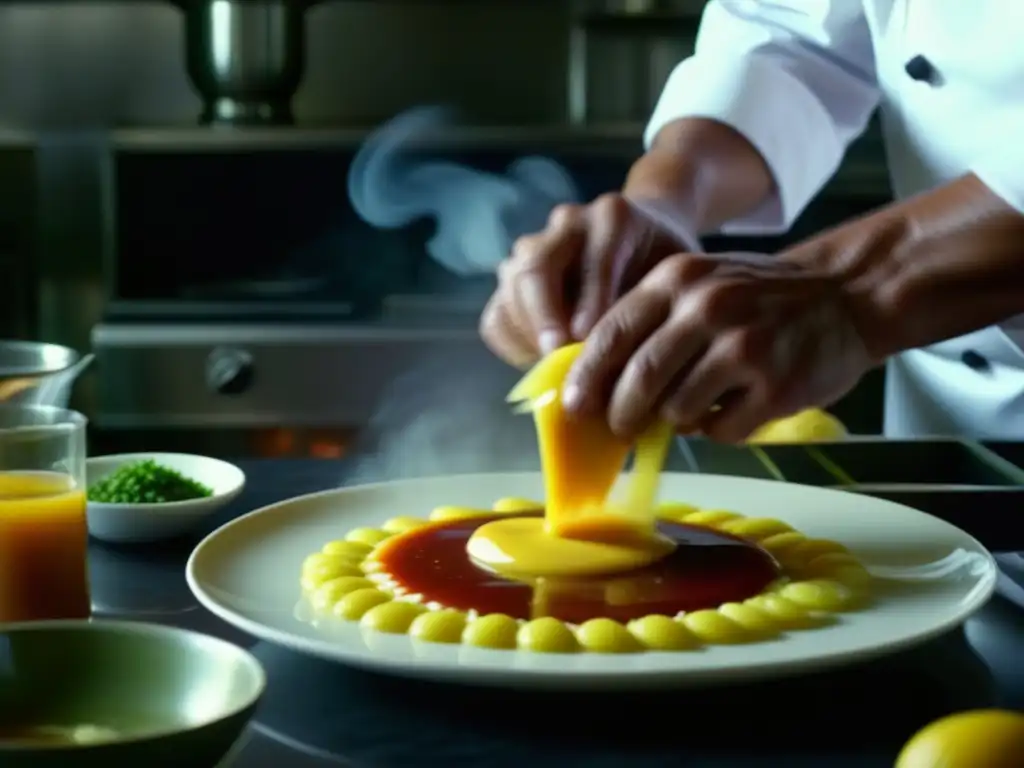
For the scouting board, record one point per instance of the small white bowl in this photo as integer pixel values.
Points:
(141, 523)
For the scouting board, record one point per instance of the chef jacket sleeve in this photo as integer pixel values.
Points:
(796, 78)
(1001, 168)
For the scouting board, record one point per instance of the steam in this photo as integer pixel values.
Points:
(447, 414)
(393, 181)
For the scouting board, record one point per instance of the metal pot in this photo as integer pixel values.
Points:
(25, 364)
(246, 58)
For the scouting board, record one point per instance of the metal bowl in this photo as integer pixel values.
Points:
(24, 364)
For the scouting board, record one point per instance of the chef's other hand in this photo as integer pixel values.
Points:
(719, 344)
(557, 283)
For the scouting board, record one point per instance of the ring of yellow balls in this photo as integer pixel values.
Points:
(821, 578)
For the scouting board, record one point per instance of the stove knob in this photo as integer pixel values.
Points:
(229, 371)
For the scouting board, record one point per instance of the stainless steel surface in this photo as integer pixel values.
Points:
(246, 58)
(620, 79)
(25, 364)
(31, 358)
(621, 52)
(863, 175)
(869, 461)
(615, 139)
(167, 375)
(960, 481)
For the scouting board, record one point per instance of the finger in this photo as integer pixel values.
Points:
(611, 344)
(649, 374)
(703, 386)
(681, 272)
(529, 279)
(538, 277)
(624, 328)
(502, 336)
(665, 231)
(607, 216)
(627, 325)
(740, 416)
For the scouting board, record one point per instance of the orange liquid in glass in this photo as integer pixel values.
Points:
(43, 548)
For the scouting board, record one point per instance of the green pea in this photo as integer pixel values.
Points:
(146, 482)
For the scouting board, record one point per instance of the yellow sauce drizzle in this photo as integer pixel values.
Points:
(581, 458)
(582, 533)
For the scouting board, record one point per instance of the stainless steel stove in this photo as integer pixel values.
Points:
(244, 292)
(233, 374)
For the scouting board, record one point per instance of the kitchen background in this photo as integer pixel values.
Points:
(219, 272)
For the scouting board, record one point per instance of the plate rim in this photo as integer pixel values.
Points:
(568, 678)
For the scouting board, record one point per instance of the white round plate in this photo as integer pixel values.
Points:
(247, 573)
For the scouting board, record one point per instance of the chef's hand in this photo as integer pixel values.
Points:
(557, 283)
(757, 337)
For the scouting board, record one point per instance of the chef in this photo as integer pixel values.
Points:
(745, 134)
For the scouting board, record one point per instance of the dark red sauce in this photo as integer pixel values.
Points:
(707, 569)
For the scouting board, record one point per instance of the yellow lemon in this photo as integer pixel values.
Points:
(988, 738)
(810, 426)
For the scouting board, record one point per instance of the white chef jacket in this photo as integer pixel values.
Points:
(801, 78)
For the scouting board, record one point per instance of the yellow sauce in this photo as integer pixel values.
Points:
(580, 457)
(581, 534)
(521, 548)
(344, 581)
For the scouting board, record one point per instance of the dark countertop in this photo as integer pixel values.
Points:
(317, 714)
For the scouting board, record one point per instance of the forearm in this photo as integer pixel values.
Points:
(706, 170)
(936, 266)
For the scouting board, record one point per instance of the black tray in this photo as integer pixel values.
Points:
(977, 487)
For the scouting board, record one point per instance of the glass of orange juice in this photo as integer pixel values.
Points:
(43, 531)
